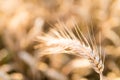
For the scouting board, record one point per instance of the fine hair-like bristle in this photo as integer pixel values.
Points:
(62, 39)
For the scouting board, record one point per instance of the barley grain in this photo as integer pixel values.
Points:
(62, 39)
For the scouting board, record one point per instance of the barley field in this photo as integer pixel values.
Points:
(59, 39)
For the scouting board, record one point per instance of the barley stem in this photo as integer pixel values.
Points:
(101, 76)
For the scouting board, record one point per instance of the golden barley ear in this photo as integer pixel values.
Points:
(61, 39)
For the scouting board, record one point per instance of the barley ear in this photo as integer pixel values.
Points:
(62, 39)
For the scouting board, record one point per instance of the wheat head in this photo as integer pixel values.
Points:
(62, 39)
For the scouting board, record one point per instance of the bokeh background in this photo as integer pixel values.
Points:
(22, 20)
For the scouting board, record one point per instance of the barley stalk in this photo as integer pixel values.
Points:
(62, 39)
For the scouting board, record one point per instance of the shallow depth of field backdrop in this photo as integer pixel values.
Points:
(21, 21)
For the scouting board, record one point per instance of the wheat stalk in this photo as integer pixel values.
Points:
(62, 39)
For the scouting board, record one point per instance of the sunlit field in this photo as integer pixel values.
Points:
(59, 39)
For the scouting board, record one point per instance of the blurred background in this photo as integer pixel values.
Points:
(22, 20)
